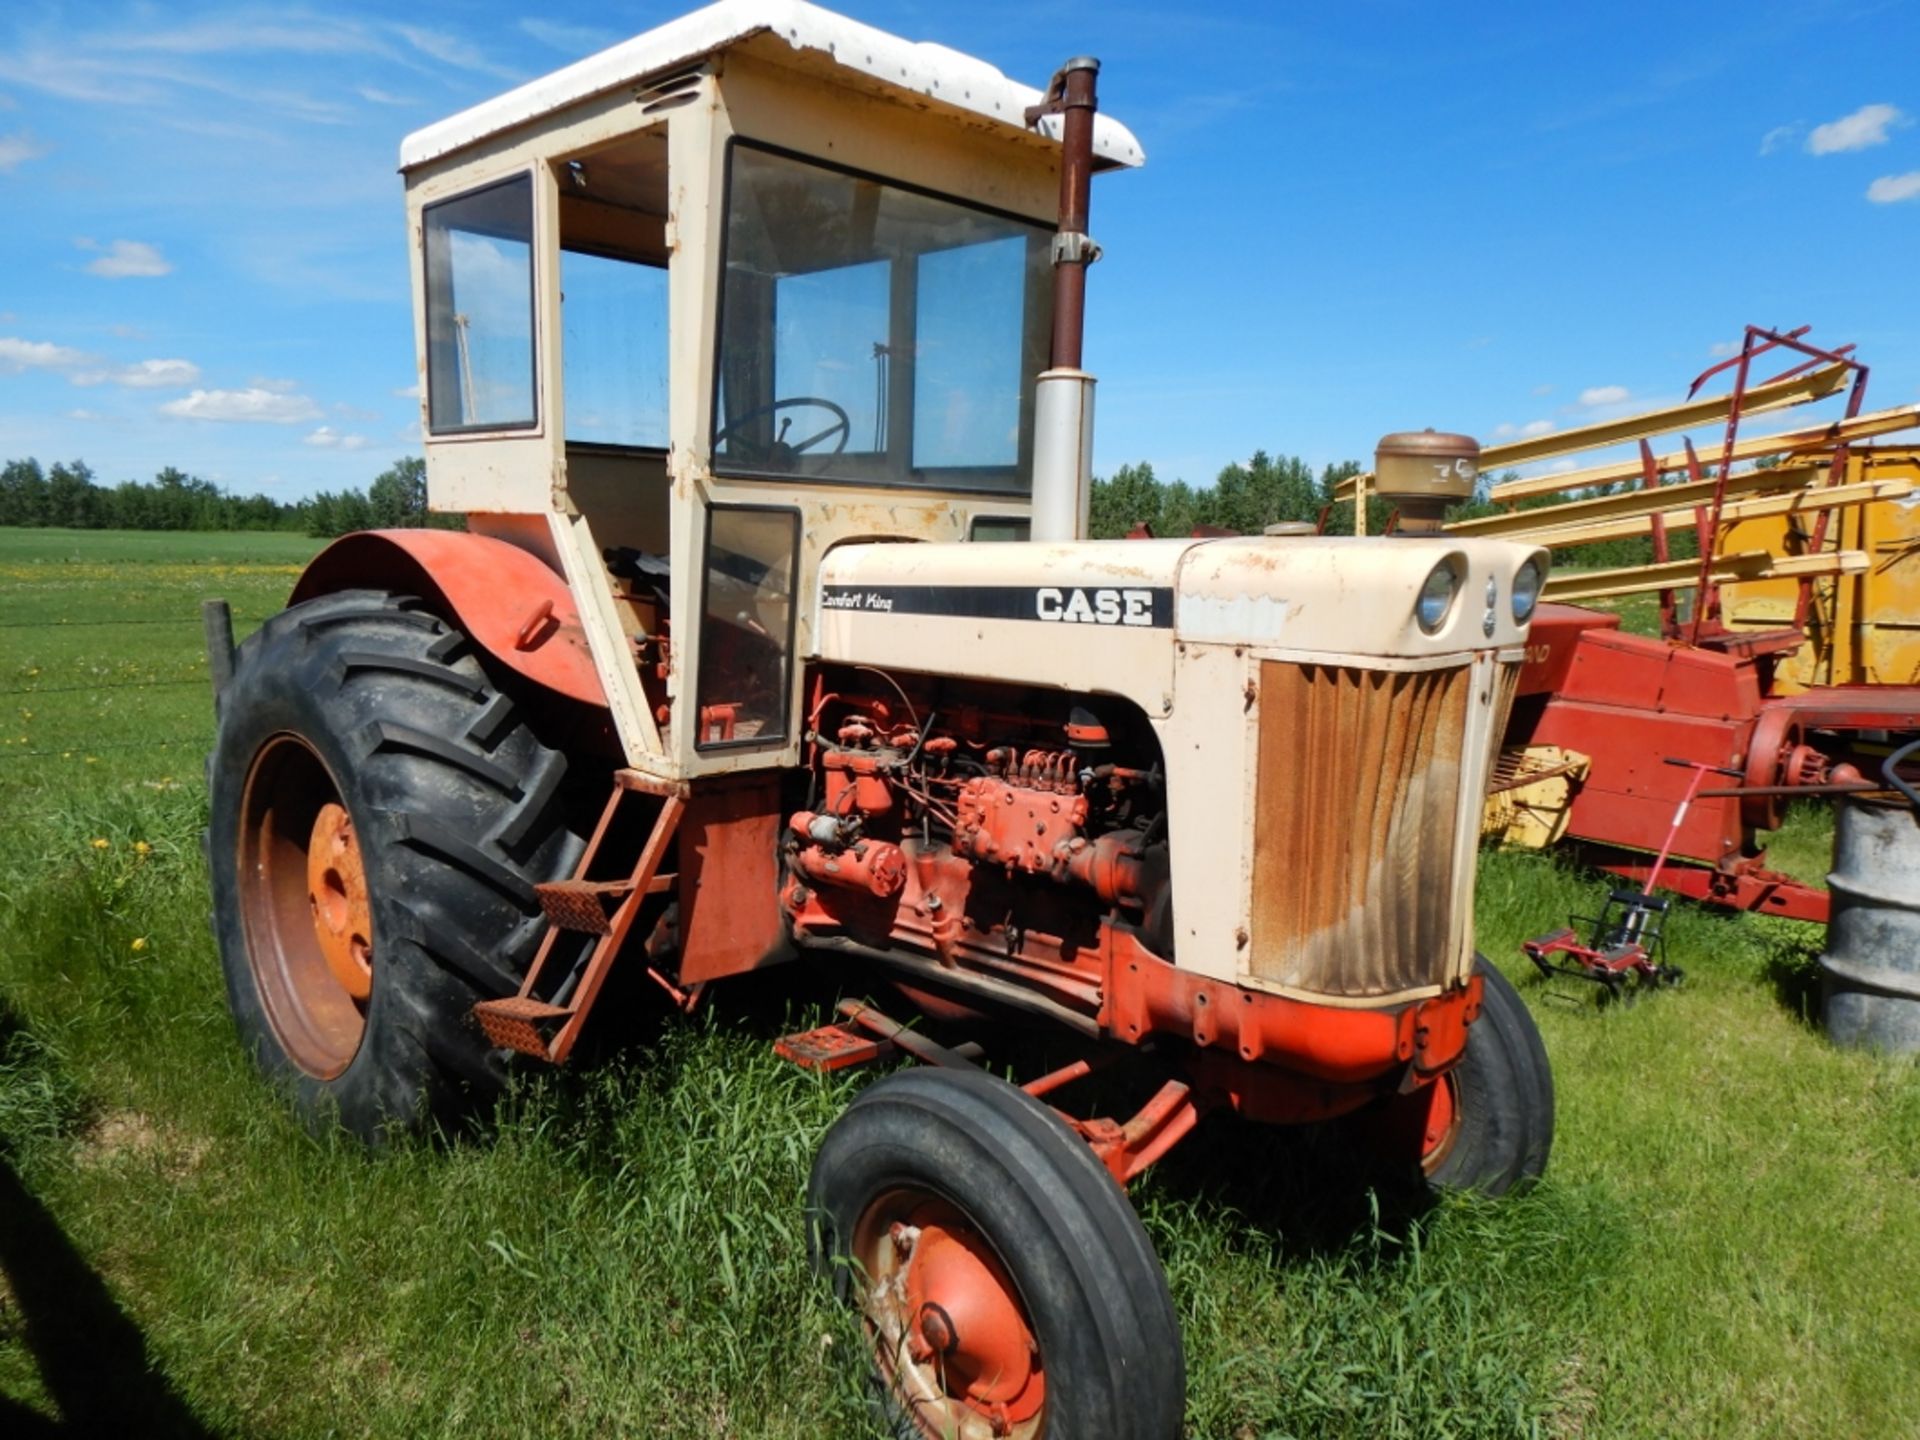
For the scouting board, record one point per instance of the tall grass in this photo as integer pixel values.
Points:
(1724, 1244)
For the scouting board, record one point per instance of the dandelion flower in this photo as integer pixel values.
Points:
(141, 847)
(99, 843)
(139, 943)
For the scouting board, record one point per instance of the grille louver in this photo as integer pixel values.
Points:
(1356, 827)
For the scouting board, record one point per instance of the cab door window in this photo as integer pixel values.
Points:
(479, 258)
(746, 626)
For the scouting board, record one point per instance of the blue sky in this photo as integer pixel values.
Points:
(1355, 218)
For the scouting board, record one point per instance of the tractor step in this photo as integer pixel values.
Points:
(605, 909)
(831, 1047)
(869, 1035)
(514, 1023)
(587, 907)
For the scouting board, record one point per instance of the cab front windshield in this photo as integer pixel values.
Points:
(873, 334)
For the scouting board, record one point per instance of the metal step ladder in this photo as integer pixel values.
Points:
(606, 909)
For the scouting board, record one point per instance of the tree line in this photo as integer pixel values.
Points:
(1244, 499)
(1268, 490)
(67, 494)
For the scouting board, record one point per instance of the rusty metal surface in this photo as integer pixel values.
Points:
(730, 879)
(1072, 96)
(514, 1023)
(581, 905)
(486, 586)
(1357, 798)
(830, 1047)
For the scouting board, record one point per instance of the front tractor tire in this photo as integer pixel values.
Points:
(1005, 1285)
(1487, 1124)
(379, 815)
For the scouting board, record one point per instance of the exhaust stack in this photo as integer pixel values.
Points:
(1063, 398)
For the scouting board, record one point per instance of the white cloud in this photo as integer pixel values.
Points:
(375, 95)
(18, 148)
(1603, 395)
(145, 375)
(83, 415)
(1721, 349)
(1522, 432)
(1543, 389)
(1892, 189)
(229, 35)
(253, 404)
(328, 438)
(278, 387)
(1563, 467)
(110, 70)
(1781, 136)
(124, 259)
(408, 392)
(450, 49)
(17, 355)
(575, 39)
(1866, 126)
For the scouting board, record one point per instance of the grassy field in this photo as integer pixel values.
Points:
(1727, 1243)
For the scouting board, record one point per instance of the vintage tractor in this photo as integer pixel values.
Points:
(741, 346)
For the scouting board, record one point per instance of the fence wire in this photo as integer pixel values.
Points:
(76, 748)
(143, 620)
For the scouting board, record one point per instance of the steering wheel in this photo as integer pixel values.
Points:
(782, 449)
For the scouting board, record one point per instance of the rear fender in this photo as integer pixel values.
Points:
(507, 600)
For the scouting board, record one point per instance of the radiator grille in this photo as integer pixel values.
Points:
(1356, 827)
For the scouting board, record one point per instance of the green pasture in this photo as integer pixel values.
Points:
(1727, 1242)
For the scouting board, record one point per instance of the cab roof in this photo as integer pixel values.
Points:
(921, 68)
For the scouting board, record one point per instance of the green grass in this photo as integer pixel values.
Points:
(1725, 1244)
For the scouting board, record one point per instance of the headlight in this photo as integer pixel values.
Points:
(1436, 597)
(1526, 590)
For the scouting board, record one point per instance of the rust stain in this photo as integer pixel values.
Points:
(1356, 801)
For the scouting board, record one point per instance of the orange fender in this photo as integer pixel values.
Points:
(506, 599)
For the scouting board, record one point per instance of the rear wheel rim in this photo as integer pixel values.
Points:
(305, 907)
(1440, 1123)
(950, 1334)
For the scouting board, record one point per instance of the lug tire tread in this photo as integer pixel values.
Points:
(455, 834)
(1094, 1289)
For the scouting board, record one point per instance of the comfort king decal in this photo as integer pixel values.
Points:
(1149, 607)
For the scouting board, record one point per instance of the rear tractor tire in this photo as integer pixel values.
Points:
(380, 813)
(1005, 1285)
(1487, 1124)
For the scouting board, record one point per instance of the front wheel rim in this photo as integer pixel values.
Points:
(951, 1335)
(305, 908)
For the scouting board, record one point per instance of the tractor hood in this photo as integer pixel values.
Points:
(1026, 612)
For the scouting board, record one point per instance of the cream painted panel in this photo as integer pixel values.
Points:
(587, 577)
(804, 111)
(925, 74)
(1210, 743)
(1348, 594)
(490, 474)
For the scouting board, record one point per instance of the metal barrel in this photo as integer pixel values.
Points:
(1870, 973)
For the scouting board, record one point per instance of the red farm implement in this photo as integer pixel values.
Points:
(1789, 641)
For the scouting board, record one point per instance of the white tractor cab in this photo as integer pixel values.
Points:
(746, 347)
